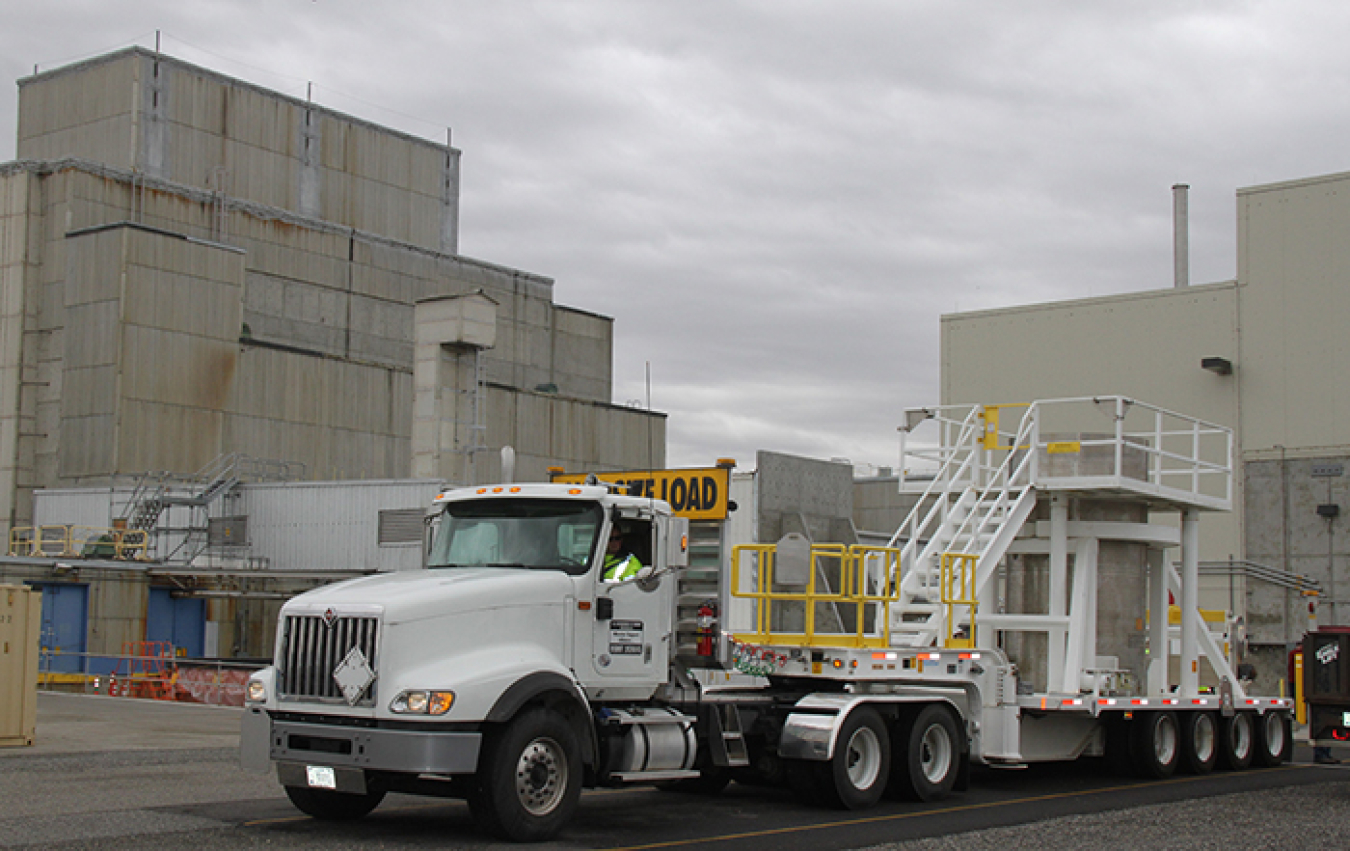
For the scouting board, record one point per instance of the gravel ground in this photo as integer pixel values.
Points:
(1304, 818)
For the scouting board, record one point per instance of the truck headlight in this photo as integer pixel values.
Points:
(423, 703)
(257, 692)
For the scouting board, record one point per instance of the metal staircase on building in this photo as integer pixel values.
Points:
(980, 496)
(155, 493)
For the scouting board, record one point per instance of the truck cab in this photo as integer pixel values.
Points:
(416, 681)
(615, 634)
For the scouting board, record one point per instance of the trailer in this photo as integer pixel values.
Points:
(1009, 620)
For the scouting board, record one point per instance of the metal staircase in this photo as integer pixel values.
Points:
(155, 493)
(980, 496)
(986, 480)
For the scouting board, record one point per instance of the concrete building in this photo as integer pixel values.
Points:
(194, 266)
(196, 272)
(1262, 354)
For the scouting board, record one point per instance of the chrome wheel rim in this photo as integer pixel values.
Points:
(541, 776)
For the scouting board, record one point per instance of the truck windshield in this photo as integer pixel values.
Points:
(545, 534)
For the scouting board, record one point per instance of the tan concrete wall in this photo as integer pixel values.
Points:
(80, 115)
(151, 330)
(14, 235)
(300, 350)
(546, 430)
(1294, 261)
(179, 122)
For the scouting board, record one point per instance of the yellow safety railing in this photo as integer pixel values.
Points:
(957, 585)
(868, 582)
(70, 541)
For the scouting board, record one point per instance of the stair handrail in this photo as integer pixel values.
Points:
(986, 495)
(983, 479)
(1003, 480)
(944, 476)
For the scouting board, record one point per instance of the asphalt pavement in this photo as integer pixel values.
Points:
(119, 773)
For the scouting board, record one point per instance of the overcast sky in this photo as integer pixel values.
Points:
(777, 200)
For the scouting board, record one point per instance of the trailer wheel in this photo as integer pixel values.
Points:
(1156, 742)
(1236, 741)
(1272, 737)
(529, 778)
(855, 776)
(333, 806)
(932, 757)
(1199, 742)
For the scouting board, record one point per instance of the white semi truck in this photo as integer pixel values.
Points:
(1009, 620)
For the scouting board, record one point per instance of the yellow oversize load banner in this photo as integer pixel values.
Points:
(699, 494)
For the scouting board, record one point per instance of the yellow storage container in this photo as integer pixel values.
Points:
(20, 619)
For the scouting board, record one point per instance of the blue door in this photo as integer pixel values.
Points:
(65, 611)
(180, 621)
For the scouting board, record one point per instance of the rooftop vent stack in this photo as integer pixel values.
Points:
(1181, 244)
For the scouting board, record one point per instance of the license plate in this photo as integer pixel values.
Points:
(321, 777)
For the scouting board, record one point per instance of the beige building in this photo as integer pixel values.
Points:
(193, 266)
(1264, 355)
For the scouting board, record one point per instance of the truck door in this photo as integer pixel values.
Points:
(631, 634)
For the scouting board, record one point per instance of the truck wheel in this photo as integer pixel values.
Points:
(1272, 737)
(1199, 742)
(855, 776)
(932, 757)
(1236, 741)
(1156, 743)
(529, 779)
(333, 806)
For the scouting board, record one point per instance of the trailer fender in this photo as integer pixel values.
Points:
(558, 692)
(811, 729)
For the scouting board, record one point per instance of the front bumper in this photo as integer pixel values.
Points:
(372, 749)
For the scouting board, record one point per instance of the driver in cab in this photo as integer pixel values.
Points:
(620, 563)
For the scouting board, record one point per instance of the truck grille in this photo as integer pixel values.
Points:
(314, 645)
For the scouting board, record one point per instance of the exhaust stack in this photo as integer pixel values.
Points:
(1181, 245)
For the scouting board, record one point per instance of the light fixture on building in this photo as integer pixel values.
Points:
(1218, 366)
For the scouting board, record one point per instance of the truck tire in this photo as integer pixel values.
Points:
(855, 777)
(1155, 740)
(1199, 742)
(529, 778)
(333, 806)
(1272, 738)
(931, 761)
(1236, 741)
